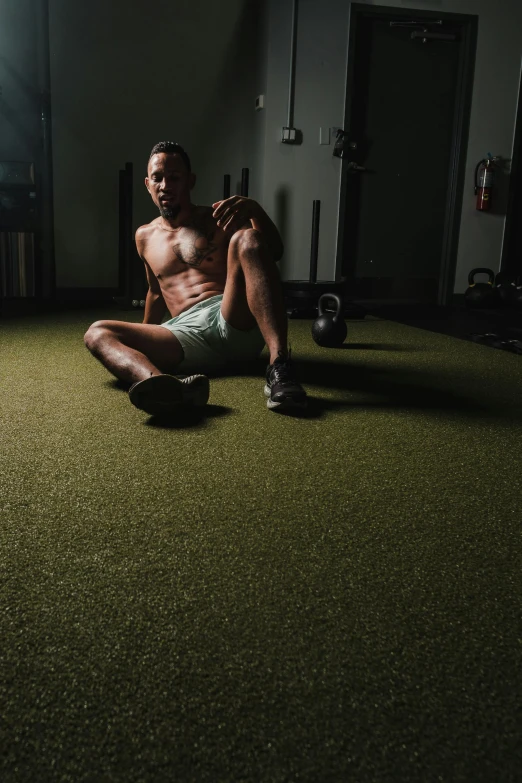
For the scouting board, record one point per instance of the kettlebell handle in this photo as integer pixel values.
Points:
(489, 272)
(337, 300)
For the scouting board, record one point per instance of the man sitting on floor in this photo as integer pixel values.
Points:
(214, 269)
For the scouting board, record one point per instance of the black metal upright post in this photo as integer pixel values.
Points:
(314, 252)
(131, 288)
(122, 266)
(127, 234)
(245, 174)
(226, 187)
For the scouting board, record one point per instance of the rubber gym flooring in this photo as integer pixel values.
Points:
(245, 596)
(458, 321)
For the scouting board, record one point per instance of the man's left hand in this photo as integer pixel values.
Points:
(234, 212)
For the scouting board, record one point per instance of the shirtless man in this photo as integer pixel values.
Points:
(214, 269)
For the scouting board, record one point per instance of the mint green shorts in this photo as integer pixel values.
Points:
(208, 341)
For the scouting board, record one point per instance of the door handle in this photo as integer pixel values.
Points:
(353, 166)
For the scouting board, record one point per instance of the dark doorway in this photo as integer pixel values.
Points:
(409, 86)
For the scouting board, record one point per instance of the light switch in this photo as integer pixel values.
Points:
(324, 135)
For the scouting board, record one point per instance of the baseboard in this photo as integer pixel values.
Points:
(62, 299)
(93, 295)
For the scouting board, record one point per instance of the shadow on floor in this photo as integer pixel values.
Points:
(456, 321)
(367, 386)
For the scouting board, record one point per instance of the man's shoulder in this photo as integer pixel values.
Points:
(143, 236)
(147, 229)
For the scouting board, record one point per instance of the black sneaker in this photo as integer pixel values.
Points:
(166, 394)
(196, 389)
(283, 390)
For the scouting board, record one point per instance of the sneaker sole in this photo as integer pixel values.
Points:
(196, 389)
(288, 404)
(164, 394)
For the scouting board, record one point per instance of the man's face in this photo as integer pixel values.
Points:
(169, 183)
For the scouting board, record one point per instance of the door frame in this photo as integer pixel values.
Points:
(468, 25)
(510, 264)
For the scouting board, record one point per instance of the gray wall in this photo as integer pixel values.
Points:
(127, 75)
(296, 175)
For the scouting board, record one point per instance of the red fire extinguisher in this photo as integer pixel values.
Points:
(484, 178)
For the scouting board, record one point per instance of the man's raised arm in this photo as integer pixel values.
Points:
(154, 308)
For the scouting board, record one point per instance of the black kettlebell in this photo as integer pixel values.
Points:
(329, 330)
(481, 294)
(506, 290)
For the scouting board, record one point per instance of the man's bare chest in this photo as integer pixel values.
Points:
(202, 245)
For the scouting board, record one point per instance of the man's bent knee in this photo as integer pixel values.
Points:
(95, 335)
(159, 345)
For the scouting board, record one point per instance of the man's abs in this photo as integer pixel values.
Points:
(188, 264)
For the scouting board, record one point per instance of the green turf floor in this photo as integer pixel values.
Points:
(255, 597)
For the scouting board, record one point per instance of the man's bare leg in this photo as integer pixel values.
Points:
(264, 293)
(133, 352)
(254, 293)
(255, 277)
(123, 362)
(153, 388)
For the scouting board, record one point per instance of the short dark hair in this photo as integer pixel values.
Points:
(171, 147)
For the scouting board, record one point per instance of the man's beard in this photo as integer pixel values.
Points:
(169, 212)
